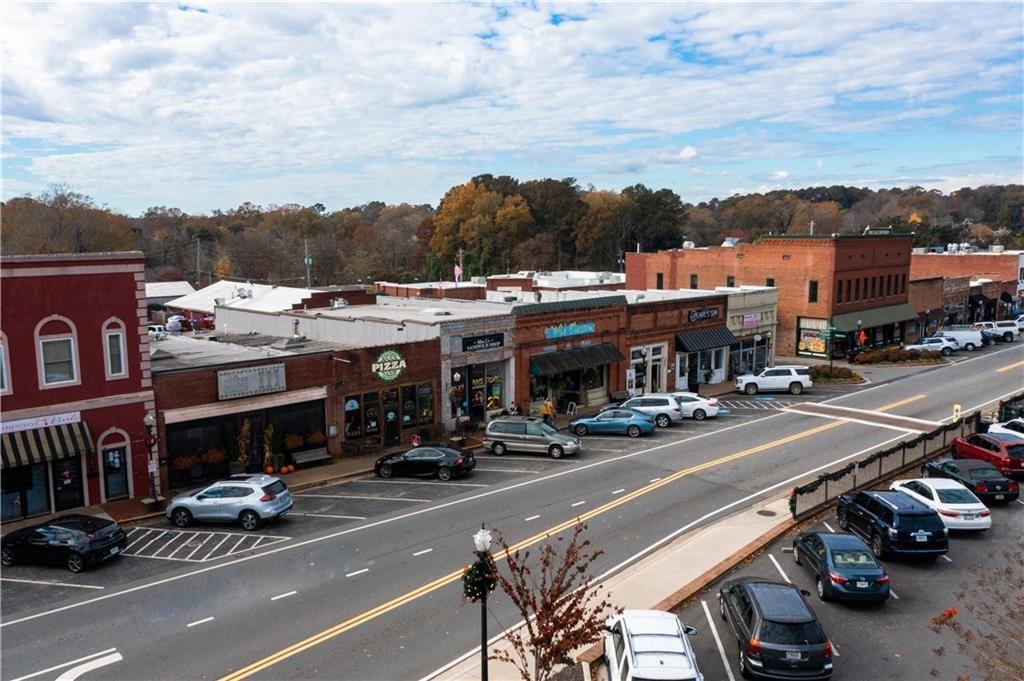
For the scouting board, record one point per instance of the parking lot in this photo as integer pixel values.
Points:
(893, 640)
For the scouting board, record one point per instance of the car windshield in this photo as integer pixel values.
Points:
(956, 496)
(985, 474)
(853, 558)
(1015, 451)
(275, 488)
(913, 523)
(546, 429)
(791, 633)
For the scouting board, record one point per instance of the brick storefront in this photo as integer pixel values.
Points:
(927, 298)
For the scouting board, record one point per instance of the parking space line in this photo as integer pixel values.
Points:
(360, 496)
(718, 641)
(1020, 501)
(422, 553)
(183, 545)
(142, 535)
(202, 621)
(214, 549)
(779, 568)
(156, 554)
(946, 558)
(237, 543)
(413, 482)
(827, 526)
(357, 572)
(504, 470)
(145, 546)
(578, 503)
(835, 651)
(286, 595)
(200, 546)
(618, 491)
(532, 517)
(654, 479)
(893, 593)
(534, 459)
(44, 583)
(325, 515)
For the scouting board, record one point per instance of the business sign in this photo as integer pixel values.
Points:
(705, 313)
(573, 329)
(752, 319)
(250, 381)
(389, 365)
(812, 342)
(475, 343)
(40, 422)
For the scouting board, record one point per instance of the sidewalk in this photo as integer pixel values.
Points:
(667, 577)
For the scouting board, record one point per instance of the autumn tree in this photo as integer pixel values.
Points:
(606, 228)
(556, 208)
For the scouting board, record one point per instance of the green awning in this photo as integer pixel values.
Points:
(551, 363)
(869, 319)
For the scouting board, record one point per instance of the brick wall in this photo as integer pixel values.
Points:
(1002, 267)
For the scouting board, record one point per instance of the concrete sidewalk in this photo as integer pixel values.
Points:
(667, 577)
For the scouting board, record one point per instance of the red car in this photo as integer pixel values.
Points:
(1004, 451)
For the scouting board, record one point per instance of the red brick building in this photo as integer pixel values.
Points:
(75, 384)
(1005, 268)
(852, 283)
(927, 297)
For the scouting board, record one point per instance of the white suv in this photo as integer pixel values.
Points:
(664, 407)
(940, 344)
(795, 379)
(1007, 330)
(649, 644)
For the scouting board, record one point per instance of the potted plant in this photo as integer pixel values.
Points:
(243, 440)
(268, 448)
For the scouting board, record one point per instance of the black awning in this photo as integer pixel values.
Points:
(551, 363)
(705, 339)
(38, 445)
(1005, 297)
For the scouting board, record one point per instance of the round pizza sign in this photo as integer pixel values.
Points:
(389, 365)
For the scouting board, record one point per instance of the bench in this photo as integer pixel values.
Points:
(311, 455)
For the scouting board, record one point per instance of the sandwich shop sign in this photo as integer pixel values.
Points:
(389, 365)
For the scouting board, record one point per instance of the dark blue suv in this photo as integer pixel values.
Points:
(893, 523)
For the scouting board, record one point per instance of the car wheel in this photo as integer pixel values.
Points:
(385, 471)
(822, 593)
(75, 562)
(1008, 337)
(499, 449)
(444, 474)
(662, 420)
(969, 347)
(751, 389)
(181, 517)
(844, 522)
(250, 520)
(742, 664)
(946, 352)
(796, 555)
(633, 431)
(6, 558)
(581, 430)
(699, 414)
(876, 546)
(795, 388)
(556, 452)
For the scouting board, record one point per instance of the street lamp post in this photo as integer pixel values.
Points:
(149, 421)
(482, 542)
(860, 342)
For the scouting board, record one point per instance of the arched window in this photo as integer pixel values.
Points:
(57, 352)
(115, 364)
(5, 366)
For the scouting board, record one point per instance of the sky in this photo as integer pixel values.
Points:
(206, 106)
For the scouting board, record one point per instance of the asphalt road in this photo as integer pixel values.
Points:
(379, 598)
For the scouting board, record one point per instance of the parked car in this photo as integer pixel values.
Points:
(617, 421)
(956, 505)
(246, 499)
(649, 644)
(528, 434)
(893, 523)
(795, 379)
(75, 541)
(157, 330)
(981, 477)
(843, 566)
(435, 461)
(1007, 330)
(1020, 323)
(941, 345)
(697, 406)
(1002, 450)
(989, 338)
(663, 407)
(1011, 427)
(777, 633)
(967, 339)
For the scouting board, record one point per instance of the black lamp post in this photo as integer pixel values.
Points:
(482, 542)
(149, 421)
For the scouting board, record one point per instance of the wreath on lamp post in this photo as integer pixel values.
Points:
(480, 578)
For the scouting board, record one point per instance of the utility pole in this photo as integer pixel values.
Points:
(309, 264)
(199, 283)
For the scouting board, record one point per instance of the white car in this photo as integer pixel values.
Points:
(1020, 323)
(943, 346)
(664, 407)
(1011, 427)
(956, 505)
(1007, 330)
(793, 378)
(649, 644)
(697, 406)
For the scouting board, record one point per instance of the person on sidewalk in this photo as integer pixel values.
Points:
(514, 409)
(547, 412)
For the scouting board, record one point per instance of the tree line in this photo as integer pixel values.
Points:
(491, 224)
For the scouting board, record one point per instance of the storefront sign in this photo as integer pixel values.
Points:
(389, 365)
(706, 313)
(40, 422)
(752, 319)
(812, 342)
(573, 329)
(260, 380)
(475, 343)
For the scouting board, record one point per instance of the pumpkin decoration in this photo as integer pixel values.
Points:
(268, 470)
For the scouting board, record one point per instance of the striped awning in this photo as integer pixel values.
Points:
(52, 443)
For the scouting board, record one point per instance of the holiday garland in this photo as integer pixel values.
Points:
(479, 578)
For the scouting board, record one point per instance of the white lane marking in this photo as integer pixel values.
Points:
(508, 488)
(75, 672)
(718, 641)
(532, 517)
(932, 425)
(183, 545)
(64, 664)
(618, 491)
(828, 527)
(145, 546)
(946, 558)
(156, 554)
(835, 651)
(202, 621)
(142, 536)
(578, 503)
(359, 496)
(37, 581)
(503, 470)
(893, 594)
(237, 544)
(654, 479)
(325, 515)
(413, 482)
(284, 595)
(863, 422)
(214, 549)
(779, 568)
(258, 542)
(211, 535)
(357, 572)
(423, 552)
(534, 459)
(595, 449)
(1020, 501)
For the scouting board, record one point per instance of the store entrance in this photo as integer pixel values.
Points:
(392, 426)
(115, 473)
(26, 491)
(67, 484)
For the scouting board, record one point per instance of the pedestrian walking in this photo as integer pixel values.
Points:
(547, 412)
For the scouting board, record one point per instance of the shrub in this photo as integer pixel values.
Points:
(823, 372)
(893, 355)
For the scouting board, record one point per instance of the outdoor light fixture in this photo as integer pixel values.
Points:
(482, 540)
(478, 580)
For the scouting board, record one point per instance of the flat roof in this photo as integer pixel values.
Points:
(432, 284)
(411, 310)
(191, 352)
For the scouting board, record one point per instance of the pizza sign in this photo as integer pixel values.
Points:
(389, 365)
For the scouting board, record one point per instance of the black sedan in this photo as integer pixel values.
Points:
(981, 477)
(843, 566)
(75, 541)
(440, 461)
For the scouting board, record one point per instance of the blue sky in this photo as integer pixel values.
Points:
(209, 105)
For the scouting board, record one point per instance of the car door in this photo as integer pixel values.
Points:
(233, 501)
(819, 557)
(988, 450)
(686, 405)
(535, 438)
(414, 462)
(973, 448)
(950, 470)
(604, 422)
(515, 436)
(35, 547)
(634, 403)
(776, 379)
(615, 651)
(208, 503)
(860, 514)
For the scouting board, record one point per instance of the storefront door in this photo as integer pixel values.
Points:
(115, 473)
(392, 424)
(67, 484)
(26, 491)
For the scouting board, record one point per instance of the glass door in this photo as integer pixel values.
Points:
(67, 484)
(115, 473)
(657, 369)
(392, 424)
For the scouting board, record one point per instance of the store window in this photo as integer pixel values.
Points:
(371, 414)
(202, 449)
(476, 390)
(425, 403)
(353, 417)
(812, 292)
(495, 373)
(297, 427)
(5, 370)
(409, 413)
(730, 280)
(693, 281)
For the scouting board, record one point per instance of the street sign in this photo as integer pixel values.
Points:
(956, 412)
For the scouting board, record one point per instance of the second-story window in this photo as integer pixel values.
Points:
(812, 292)
(58, 356)
(770, 281)
(115, 353)
(660, 280)
(730, 280)
(5, 380)
(693, 281)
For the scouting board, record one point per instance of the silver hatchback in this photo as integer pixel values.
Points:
(245, 499)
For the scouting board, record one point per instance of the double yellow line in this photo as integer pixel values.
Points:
(436, 584)
(1011, 366)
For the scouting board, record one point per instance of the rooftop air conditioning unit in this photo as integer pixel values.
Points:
(482, 281)
(997, 248)
(919, 250)
(218, 301)
(950, 248)
(338, 303)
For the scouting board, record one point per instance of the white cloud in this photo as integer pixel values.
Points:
(688, 153)
(819, 164)
(780, 175)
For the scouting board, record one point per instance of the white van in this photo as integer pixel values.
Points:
(967, 339)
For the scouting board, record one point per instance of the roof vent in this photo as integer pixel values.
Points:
(689, 244)
(289, 343)
(338, 303)
(436, 312)
(997, 248)
(218, 301)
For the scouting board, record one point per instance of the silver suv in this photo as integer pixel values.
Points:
(663, 407)
(528, 434)
(795, 379)
(246, 499)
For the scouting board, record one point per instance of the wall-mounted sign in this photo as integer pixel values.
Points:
(491, 340)
(260, 380)
(705, 313)
(41, 422)
(389, 365)
(752, 319)
(566, 330)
